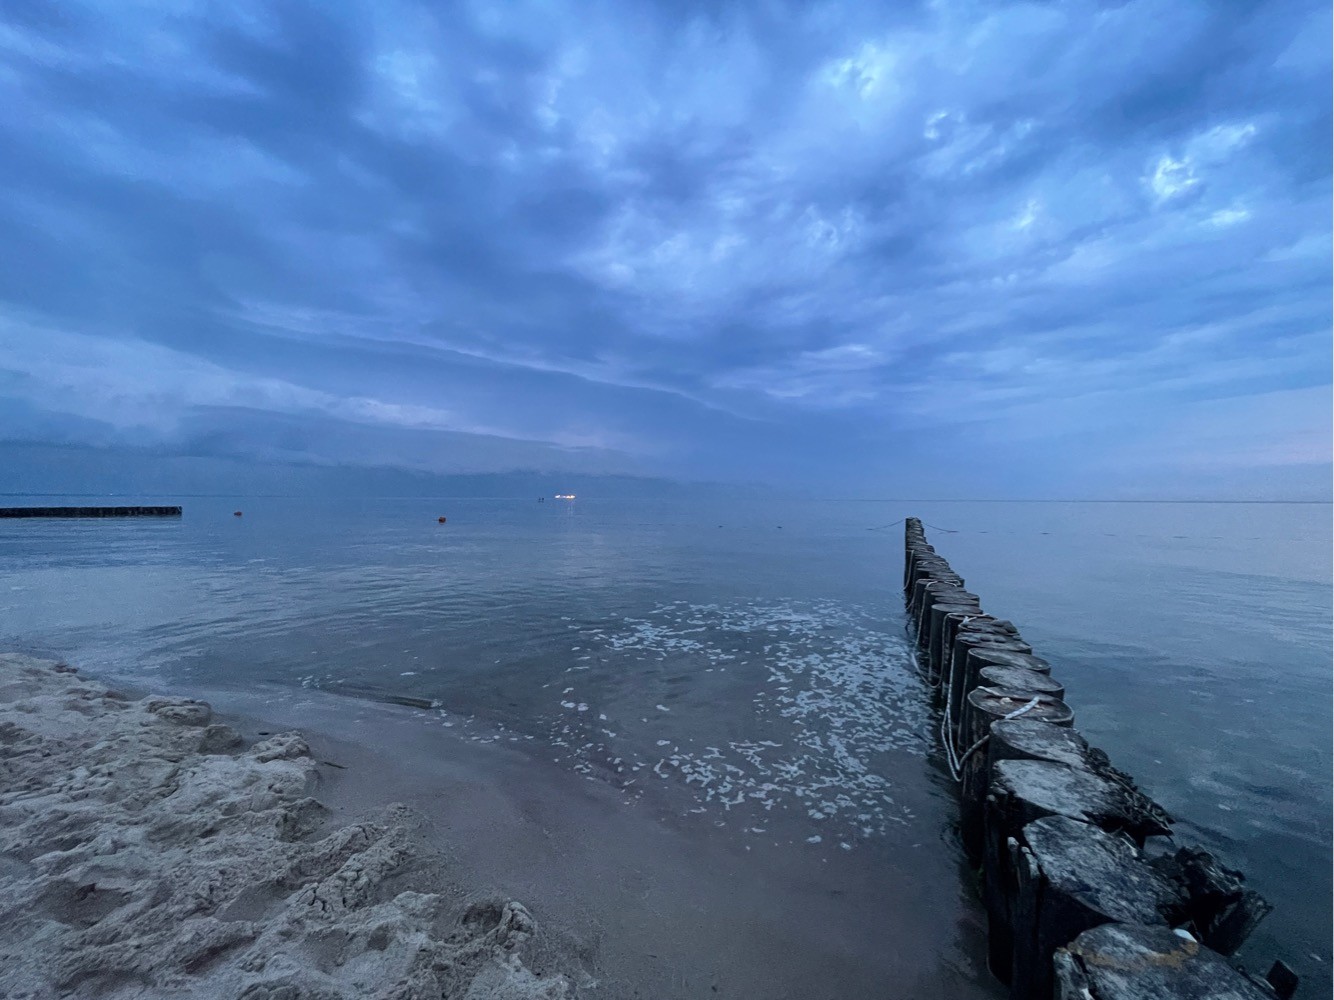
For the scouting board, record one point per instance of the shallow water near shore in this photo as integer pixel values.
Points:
(735, 675)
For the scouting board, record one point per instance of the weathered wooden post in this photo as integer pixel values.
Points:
(982, 624)
(924, 560)
(1126, 961)
(1017, 679)
(928, 587)
(1042, 734)
(997, 657)
(1073, 877)
(1026, 790)
(914, 546)
(968, 675)
(960, 681)
(987, 712)
(994, 631)
(939, 642)
(941, 603)
(931, 564)
(920, 554)
(935, 627)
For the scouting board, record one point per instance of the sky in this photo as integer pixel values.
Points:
(976, 250)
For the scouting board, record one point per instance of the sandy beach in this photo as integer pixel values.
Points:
(302, 846)
(149, 851)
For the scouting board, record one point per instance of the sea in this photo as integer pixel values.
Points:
(738, 668)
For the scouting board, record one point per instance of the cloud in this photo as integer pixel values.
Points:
(731, 242)
(152, 392)
(839, 376)
(1268, 446)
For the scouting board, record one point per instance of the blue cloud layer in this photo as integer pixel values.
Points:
(981, 249)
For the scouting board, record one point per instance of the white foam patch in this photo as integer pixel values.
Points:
(832, 698)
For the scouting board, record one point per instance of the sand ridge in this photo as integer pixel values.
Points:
(146, 852)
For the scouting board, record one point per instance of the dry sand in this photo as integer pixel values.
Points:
(147, 852)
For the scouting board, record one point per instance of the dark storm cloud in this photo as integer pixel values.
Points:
(1079, 248)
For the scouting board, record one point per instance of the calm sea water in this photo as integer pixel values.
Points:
(743, 663)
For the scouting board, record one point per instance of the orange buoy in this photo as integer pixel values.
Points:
(440, 520)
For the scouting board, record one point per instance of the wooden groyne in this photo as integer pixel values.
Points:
(90, 512)
(1087, 894)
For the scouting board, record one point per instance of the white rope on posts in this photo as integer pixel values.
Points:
(946, 724)
(953, 758)
(956, 764)
(1032, 704)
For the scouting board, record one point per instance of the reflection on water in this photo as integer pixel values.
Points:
(740, 674)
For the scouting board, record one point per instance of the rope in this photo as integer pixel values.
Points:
(953, 759)
(956, 767)
(947, 726)
(940, 677)
(882, 527)
(934, 684)
(1032, 704)
(971, 750)
(956, 762)
(923, 663)
(947, 738)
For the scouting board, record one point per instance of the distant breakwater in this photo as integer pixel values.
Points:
(90, 512)
(1087, 893)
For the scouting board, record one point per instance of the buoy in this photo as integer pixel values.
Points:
(236, 513)
(440, 520)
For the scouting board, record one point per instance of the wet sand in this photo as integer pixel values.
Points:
(654, 902)
(629, 898)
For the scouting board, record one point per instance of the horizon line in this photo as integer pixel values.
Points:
(516, 496)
